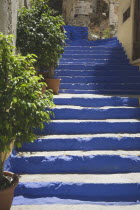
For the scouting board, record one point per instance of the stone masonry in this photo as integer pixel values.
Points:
(79, 12)
(8, 15)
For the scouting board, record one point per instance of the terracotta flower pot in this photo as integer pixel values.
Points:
(53, 84)
(6, 196)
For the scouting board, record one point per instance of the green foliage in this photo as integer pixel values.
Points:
(40, 32)
(107, 33)
(22, 103)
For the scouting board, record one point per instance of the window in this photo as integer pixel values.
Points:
(126, 14)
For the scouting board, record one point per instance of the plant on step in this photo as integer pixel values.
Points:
(107, 33)
(22, 102)
(40, 32)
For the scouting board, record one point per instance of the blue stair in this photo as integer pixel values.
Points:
(90, 152)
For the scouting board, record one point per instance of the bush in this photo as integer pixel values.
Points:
(40, 32)
(22, 104)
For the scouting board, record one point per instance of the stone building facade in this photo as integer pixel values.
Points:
(129, 29)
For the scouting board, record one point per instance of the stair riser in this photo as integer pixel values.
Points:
(92, 44)
(96, 44)
(93, 61)
(89, 127)
(82, 42)
(103, 86)
(97, 114)
(120, 57)
(101, 92)
(83, 192)
(95, 73)
(93, 67)
(95, 48)
(100, 79)
(97, 102)
(83, 143)
(98, 164)
(95, 52)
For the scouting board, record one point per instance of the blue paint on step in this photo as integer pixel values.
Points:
(102, 92)
(83, 144)
(80, 191)
(97, 102)
(89, 127)
(100, 79)
(92, 164)
(96, 114)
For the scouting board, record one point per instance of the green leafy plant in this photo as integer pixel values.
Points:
(107, 33)
(40, 32)
(22, 103)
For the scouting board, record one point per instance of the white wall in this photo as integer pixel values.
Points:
(125, 30)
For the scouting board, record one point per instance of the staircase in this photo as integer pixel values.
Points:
(88, 156)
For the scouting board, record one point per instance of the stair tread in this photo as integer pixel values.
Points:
(105, 120)
(67, 206)
(107, 135)
(82, 178)
(79, 153)
(69, 95)
(97, 108)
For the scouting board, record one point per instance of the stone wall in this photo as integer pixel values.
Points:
(81, 12)
(8, 15)
(113, 14)
(77, 12)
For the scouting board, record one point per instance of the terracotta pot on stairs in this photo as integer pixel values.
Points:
(53, 84)
(6, 195)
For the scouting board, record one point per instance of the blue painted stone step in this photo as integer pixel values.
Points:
(96, 113)
(98, 52)
(89, 127)
(102, 92)
(93, 61)
(98, 67)
(77, 58)
(82, 42)
(96, 48)
(100, 79)
(92, 164)
(95, 73)
(85, 143)
(100, 86)
(80, 191)
(90, 56)
(96, 102)
(93, 44)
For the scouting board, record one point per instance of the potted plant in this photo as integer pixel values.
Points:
(22, 108)
(40, 32)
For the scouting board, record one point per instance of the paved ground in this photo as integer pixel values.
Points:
(76, 207)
